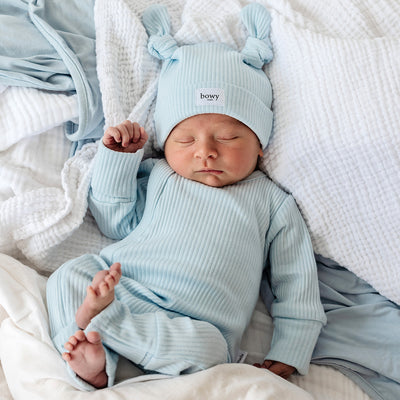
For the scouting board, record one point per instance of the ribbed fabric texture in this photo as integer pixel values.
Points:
(195, 251)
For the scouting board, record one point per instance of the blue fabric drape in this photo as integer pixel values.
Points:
(362, 336)
(50, 45)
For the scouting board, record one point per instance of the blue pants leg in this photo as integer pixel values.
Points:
(133, 325)
(65, 291)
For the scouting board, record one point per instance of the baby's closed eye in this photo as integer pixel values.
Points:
(185, 140)
(226, 138)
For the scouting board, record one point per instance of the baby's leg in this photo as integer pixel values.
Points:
(87, 358)
(66, 291)
(99, 295)
(169, 344)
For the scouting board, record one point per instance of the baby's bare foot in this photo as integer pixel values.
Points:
(99, 295)
(87, 358)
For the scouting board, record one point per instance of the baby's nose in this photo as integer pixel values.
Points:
(206, 150)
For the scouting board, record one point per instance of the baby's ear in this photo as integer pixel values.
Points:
(157, 23)
(258, 48)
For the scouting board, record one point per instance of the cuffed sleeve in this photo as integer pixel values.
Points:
(293, 342)
(114, 198)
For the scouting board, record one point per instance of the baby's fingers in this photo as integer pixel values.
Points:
(112, 135)
(137, 131)
(127, 130)
(143, 137)
(131, 132)
(281, 369)
(125, 137)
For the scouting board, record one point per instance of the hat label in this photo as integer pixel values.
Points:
(210, 96)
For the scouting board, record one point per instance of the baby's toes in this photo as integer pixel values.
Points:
(69, 346)
(79, 336)
(93, 337)
(72, 341)
(66, 357)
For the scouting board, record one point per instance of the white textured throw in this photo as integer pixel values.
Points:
(42, 200)
(336, 84)
(336, 141)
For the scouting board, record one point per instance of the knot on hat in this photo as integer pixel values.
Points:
(156, 21)
(258, 48)
(162, 47)
(257, 52)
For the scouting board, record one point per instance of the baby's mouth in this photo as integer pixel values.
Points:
(210, 171)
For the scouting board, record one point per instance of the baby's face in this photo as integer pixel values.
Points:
(213, 149)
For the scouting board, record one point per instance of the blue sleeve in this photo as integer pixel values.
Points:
(118, 189)
(295, 304)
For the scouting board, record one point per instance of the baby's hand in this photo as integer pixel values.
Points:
(278, 368)
(127, 137)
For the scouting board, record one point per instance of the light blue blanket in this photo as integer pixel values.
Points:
(50, 44)
(362, 336)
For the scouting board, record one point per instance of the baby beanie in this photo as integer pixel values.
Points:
(212, 77)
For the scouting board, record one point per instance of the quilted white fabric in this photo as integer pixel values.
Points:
(27, 112)
(336, 137)
(42, 192)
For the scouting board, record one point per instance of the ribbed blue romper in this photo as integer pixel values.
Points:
(192, 260)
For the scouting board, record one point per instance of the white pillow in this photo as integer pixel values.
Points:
(336, 143)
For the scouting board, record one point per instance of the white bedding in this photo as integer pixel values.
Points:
(333, 148)
(42, 192)
(337, 133)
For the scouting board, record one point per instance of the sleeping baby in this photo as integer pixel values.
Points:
(197, 230)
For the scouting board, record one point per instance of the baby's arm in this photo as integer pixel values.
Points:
(292, 279)
(117, 194)
(127, 137)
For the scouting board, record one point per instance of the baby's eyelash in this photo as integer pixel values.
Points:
(227, 138)
(185, 141)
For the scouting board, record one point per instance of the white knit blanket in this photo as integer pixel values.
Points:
(35, 198)
(336, 82)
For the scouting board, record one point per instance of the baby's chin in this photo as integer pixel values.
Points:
(213, 180)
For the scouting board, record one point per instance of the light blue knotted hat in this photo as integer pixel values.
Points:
(212, 77)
